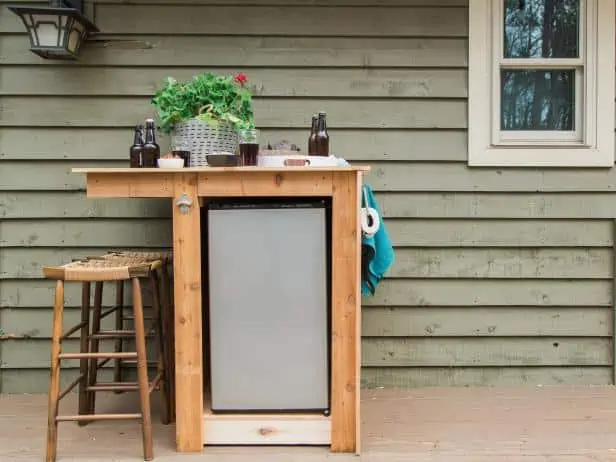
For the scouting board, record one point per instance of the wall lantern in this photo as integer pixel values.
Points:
(56, 31)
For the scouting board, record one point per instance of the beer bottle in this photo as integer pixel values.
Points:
(136, 150)
(322, 138)
(151, 150)
(312, 139)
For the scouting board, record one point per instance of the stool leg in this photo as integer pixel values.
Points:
(161, 362)
(94, 344)
(169, 339)
(54, 378)
(83, 348)
(142, 371)
(119, 325)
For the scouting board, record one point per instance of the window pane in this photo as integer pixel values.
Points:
(541, 28)
(537, 99)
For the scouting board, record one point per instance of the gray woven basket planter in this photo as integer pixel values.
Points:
(204, 140)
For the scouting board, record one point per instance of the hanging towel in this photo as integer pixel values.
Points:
(377, 252)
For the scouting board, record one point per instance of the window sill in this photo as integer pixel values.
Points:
(541, 157)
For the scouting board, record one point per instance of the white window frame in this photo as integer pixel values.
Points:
(592, 143)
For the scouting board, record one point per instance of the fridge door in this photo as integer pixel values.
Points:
(269, 325)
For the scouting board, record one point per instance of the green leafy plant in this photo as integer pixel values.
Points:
(208, 97)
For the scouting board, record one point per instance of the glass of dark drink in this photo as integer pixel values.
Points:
(249, 146)
(180, 148)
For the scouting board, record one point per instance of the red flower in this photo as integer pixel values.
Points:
(241, 79)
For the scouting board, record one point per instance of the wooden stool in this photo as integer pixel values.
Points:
(166, 298)
(99, 271)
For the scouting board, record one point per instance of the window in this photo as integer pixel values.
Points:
(541, 83)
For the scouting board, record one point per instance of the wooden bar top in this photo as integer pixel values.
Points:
(351, 168)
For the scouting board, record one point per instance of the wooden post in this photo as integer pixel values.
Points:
(83, 347)
(346, 299)
(613, 302)
(54, 374)
(188, 335)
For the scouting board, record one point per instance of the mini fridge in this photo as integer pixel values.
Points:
(268, 296)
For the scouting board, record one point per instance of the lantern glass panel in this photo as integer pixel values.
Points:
(75, 36)
(48, 30)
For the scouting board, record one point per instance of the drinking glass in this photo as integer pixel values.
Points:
(181, 148)
(249, 146)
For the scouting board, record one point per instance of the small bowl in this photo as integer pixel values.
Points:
(170, 163)
(223, 160)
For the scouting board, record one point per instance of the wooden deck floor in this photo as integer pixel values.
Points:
(458, 425)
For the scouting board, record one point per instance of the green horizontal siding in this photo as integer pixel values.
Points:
(503, 277)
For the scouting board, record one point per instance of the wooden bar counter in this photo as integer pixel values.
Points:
(196, 426)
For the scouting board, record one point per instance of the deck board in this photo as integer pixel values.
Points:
(541, 424)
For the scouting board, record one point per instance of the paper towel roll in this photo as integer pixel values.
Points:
(370, 222)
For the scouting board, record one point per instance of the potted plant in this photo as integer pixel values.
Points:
(206, 112)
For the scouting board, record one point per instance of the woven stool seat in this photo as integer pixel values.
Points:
(102, 269)
(140, 256)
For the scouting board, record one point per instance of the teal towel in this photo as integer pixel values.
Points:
(377, 250)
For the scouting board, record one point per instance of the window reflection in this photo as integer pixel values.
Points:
(541, 28)
(538, 100)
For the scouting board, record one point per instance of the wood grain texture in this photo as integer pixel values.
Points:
(78, 144)
(398, 352)
(528, 205)
(346, 313)
(532, 424)
(24, 380)
(437, 263)
(433, 321)
(292, 20)
(575, 263)
(75, 204)
(433, 205)
(511, 321)
(70, 233)
(457, 177)
(36, 352)
(36, 323)
(264, 82)
(510, 376)
(481, 253)
(452, 352)
(53, 395)
(140, 232)
(21, 263)
(485, 292)
(372, 3)
(131, 185)
(500, 233)
(287, 429)
(35, 381)
(260, 184)
(252, 51)
(54, 111)
(384, 3)
(189, 358)
(435, 177)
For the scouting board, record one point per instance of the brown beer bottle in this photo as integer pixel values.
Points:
(312, 139)
(151, 150)
(136, 150)
(322, 138)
